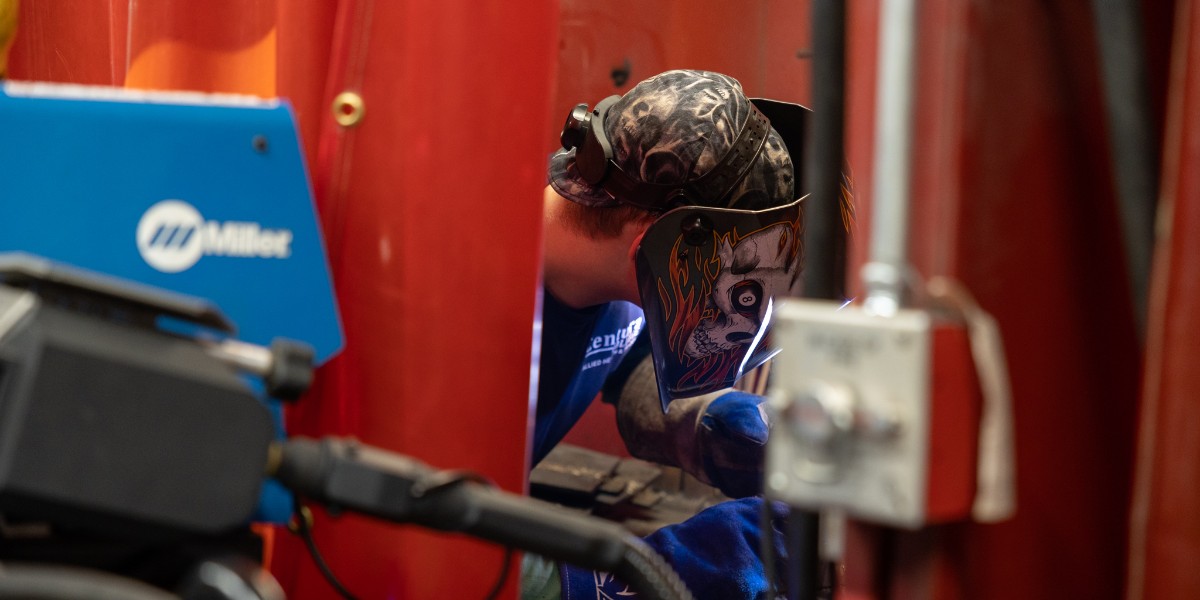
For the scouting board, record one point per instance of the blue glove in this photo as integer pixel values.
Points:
(720, 438)
(733, 440)
(716, 553)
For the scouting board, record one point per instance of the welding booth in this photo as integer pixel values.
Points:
(270, 297)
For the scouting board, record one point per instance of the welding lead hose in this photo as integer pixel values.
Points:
(57, 582)
(351, 476)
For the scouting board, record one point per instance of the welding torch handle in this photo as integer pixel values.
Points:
(346, 475)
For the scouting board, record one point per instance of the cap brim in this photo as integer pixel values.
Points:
(565, 180)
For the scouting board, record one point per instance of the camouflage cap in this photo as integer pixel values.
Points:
(674, 128)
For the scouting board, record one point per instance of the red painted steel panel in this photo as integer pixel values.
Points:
(754, 41)
(786, 70)
(1011, 161)
(956, 401)
(1040, 248)
(432, 210)
(1012, 196)
(78, 42)
(302, 72)
(1165, 525)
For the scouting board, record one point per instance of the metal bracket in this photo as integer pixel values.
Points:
(851, 411)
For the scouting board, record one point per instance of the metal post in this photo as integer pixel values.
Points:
(885, 274)
(824, 269)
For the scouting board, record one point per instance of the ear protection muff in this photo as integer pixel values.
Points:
(584, 131)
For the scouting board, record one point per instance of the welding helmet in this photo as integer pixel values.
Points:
(720, 171)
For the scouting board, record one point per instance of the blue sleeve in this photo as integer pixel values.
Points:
(604, 345)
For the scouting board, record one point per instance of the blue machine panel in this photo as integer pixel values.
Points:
(204, 195)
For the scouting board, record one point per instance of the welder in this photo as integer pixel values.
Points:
(671, 222)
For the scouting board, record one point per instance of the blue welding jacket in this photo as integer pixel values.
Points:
(580, 349)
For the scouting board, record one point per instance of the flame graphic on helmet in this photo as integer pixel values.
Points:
(692, 273)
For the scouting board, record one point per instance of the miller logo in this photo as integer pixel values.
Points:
(172, 236)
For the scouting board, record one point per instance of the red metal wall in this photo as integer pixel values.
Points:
(432, 213)
(1165, 525)
(79, 43)
(430, 207)
(755, 41)
(1040, 247)
(1012, 195)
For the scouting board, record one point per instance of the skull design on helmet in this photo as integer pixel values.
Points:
(751, 274)
(707, 278)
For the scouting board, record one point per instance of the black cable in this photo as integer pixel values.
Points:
(804, 565)
(58, 582)
(505, 567)
(824, 237)
(445, 479)
(400, 489)
(304, 530)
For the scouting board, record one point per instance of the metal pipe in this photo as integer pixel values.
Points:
(885, 274)
(824, 268)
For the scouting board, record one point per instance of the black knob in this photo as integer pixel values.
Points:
(697, 229)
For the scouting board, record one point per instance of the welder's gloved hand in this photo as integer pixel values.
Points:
(732, 443)
(720, 438)
(716, 553)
